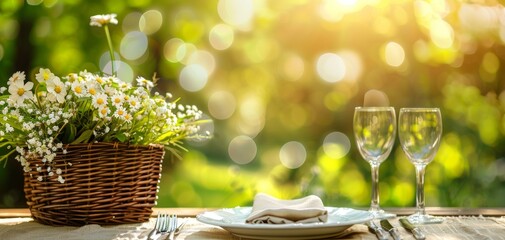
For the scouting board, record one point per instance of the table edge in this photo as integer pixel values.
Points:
(192, 212)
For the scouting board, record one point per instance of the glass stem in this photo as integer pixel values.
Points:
(375, 187)
(420, 169)
(111, 50)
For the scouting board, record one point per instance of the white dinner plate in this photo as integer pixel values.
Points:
(233, 220)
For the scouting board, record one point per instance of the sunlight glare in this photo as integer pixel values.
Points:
(150, 22)
(204, 59)
(394, 54)
(193, 77)
(133, 45)
(174, 50)
(242, 149)
(353, 64)
(336, 145)
(222, 105)
(292, 155)
(252, 113)
(238, 13)
(330, 67)
(330, 10)
(221, 36)
(441, 34)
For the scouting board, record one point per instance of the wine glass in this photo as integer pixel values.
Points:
(375, 129)
(420, 130)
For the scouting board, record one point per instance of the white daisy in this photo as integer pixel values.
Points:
(120, 113)
(128, 118)
(103, 111)
(142, 82)
(134, 103)
(117, 99)
(99, 100)
(92, 88)
(78, 88)
(103, 19)
(56, 89)
(18, 76)
(44, 75)
(20, 91)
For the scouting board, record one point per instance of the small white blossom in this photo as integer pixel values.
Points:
(99, 100)
(104, 19)
(117, 99)
(56, 89)
(20, 91)
(17, 77)
(142, 82)
(44, 75)
(60, 179)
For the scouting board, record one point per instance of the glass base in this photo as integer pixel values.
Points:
(381, 214)
(418, 218)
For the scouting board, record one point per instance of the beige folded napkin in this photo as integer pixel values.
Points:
(270, 210)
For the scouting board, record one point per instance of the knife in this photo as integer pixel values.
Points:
(414, 230)
(392, 230)
(381, 233)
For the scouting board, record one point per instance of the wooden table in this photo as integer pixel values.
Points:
(192, 212)
(459, 223)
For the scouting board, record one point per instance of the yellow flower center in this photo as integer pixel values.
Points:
(99, 80)
(103, 111)
(78, 89)
(92, 91)
(46, 76)
(126, 97)
(127, 117)
(57, 89)
(133, 103)
(120, 112)
(21, 91)
(117, 100)
(100, 101)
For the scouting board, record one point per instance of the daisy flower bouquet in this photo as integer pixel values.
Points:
(40, 118)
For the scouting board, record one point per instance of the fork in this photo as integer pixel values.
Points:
(158, 227)
(172, 228)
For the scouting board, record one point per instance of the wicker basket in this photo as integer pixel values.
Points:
(105, 183)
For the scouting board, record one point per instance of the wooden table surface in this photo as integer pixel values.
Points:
(192, 212)
(459, 223)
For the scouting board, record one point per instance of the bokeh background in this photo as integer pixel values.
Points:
(280, 80)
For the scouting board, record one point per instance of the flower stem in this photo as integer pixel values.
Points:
(111, 50)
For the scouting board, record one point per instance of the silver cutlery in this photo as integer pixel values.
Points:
(414, 230)
(378, 230)
(172, 227)
(154, 234)
(392, 230)
(165, 225)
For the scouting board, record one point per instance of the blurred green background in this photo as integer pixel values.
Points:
(280, 80)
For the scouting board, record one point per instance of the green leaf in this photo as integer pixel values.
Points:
(69, 134)
(84, 137)
(121, 137)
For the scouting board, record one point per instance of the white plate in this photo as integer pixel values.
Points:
(233, 220)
